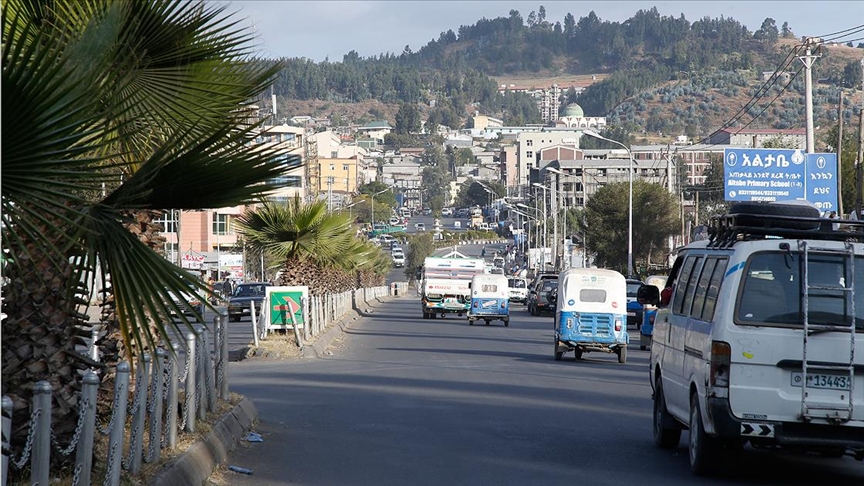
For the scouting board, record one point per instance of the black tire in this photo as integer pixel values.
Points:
(506, 322)
(578, 352)
(470, 322)
(558, 354)
(488, 322)
(664, 437)
(622, 354)
(702, 448)
(234, 318)
(775, 209)
(643, 348)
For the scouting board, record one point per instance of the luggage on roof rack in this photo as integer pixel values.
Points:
(758, 220)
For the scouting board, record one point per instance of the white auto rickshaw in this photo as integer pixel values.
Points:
(490, 299)
(591, 312)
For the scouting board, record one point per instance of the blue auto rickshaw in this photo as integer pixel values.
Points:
(490, 299)
(591, 313)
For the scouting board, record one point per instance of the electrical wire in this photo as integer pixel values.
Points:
(840, 32)
(838, 35)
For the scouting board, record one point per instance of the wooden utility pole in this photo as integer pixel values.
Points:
(840, 212)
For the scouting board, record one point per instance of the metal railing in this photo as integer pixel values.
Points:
(151, 418)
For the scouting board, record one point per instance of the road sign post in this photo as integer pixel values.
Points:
(780, 175)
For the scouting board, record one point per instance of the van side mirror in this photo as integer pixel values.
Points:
(648, 294)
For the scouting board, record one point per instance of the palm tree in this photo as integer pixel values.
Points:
(315, 247)
(114, 110)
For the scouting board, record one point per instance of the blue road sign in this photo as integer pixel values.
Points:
(763, 174)
(822, 181)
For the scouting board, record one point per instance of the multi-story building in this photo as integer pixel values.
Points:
(337, 180)
(756, 137)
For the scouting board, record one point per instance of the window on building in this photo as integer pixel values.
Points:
(529, 143)
(529, 154)
(332, 166)
(221, 224)
(334, 154)
(168, 220)
(345, 167)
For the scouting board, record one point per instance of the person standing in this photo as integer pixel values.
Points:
(227, 288)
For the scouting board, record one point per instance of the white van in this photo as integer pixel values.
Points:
(756, 335)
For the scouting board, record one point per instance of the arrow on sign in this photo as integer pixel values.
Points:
(757, 430)
(290, 305)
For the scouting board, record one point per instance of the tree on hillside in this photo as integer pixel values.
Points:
(123, 109)
(472, 193)
(655, 218)
(767, 32)
(407, 119)
(387, 197)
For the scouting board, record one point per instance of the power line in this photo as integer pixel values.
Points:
(857, 28)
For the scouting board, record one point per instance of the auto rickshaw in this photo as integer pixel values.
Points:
(649, 311)
(490, 299)
(591, 313)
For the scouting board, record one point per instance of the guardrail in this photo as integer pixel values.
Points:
(151, 415)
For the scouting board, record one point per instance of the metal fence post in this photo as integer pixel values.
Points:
(203, 355)
(254, 323)
(115, 440)
(7, 434)
(84, 454)
(139, 416)
(223, 357)
(209, 375)
(94, 349)
(40, 460)
(173, 394)
(156, 414)
(189, 408)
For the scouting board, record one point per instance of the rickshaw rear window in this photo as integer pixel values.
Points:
(592, 295)
(489, 288)
(516, 283)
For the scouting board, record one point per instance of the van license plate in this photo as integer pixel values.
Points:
(821, 380)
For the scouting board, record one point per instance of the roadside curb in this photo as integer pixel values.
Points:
(198, 462)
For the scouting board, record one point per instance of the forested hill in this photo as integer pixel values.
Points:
(640, 53)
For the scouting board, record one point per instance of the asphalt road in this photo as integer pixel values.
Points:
(404, 400)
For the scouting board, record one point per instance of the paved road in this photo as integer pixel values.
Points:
(407, 401)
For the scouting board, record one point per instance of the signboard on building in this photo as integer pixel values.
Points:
(780, 175)
(286, 307)
(191, 261)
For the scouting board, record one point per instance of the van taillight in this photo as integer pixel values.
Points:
(475, 304)
(617, 325)
(721, 359)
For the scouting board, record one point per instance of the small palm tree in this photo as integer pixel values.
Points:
(315, 247)
(114, 110)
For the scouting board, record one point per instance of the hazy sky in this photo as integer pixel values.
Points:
(322, 29)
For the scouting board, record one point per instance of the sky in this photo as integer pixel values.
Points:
(319, 30)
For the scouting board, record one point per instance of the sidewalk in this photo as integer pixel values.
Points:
(197, 463)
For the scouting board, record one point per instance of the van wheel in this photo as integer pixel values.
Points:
(664, 437)
(702, 447)
(622, 354)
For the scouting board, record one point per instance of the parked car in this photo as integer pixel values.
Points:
(243, 296)
(189, 304)
(634, 308)
(447, 212)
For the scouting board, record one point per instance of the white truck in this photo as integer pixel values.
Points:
(445, 284)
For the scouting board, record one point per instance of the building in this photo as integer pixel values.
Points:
(756, 137)
(374, 130)
(337, 180)
(548, 103)
(481, 122)
(574, 117)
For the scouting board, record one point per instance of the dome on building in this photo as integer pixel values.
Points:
(573, 110)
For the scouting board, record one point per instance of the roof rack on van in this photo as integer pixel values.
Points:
(755, 221)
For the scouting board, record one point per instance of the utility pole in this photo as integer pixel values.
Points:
(860, 159)
(554, 203)
(839, 154)
(807, 59)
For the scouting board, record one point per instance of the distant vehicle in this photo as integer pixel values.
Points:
(518, 289)
(405, 212)
(489, 299)
(189, 304)
(394, 221)
(457, 225)
(447, 212)
(634, 308)
(427, 211)
(398, 259)
(420, 227)
(477, 218)
(242, 298)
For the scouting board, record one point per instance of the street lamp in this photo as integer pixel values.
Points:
(545, 215)
(630, 204)
(373, 205)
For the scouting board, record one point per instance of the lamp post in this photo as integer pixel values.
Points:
(545, 218)
(373, 205)
(630, 204)
(561, 204)
(529, 218)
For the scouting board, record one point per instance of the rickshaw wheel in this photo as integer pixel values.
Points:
(506, 322)
(488, 321)
(470, 322)
(558, 354)
(578, 353)
(622, 354)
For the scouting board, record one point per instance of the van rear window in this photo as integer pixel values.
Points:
(772, 290)
(592, 295)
